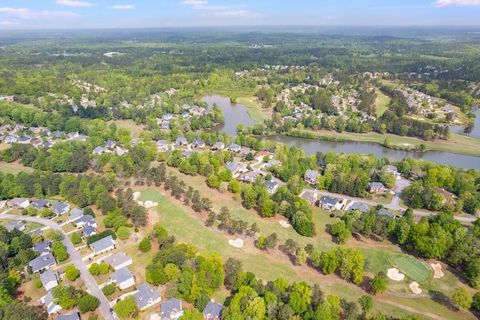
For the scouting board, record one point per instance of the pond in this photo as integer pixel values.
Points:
(236, 114)
(475, 130)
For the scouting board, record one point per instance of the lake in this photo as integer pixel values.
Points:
(236, 114)
(475, 132)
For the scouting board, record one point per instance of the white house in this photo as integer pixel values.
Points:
(103, 245)
(123, 278)
(49, 279)
(118, 260)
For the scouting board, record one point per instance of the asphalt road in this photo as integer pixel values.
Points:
(76, 259)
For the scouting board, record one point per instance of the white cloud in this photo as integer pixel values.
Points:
(195, 3)
(219, 10)
(123, 7)
(8, 24)
(74, 3)
(27, 14)
(446, 3)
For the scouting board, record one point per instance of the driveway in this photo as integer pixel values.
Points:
(76, 258)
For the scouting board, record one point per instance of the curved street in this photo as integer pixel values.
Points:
(76, 258)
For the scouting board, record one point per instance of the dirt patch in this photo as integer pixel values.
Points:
(238, 243)
(395, 275)
(415, 287)
(437, 270)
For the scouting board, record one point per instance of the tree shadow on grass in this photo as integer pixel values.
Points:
(441, 298)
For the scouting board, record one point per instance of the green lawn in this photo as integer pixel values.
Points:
(188, 227)
(381, 103)
(13, 167)
(255, 110)
(413, 268)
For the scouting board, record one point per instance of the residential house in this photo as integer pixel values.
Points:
(42, 248)
(272, 186)
(43, 262)
(10, 139)
(99, 150)
(110, 144)
(163, 146)
(118, 260)
(146, 296)
(218, 146)
(15, 225)
(251, 176)
(60, 208)
(450, 198)
(360, 206)
(311, 177)
(103, 245)
(187, 153)
(212, 311)
(75, 214)
(85, 220)
(89, 231)
(49, 279)
(73, 316)
(198, 144)
(119, 151)
(310, 196)
(236, 168)
(391, 169)
(171, 309)
(330, 203)
(123, 278)
(385, 212)
(376, 187)
(24, 140)
(40, 204)
(234, 148)
(47, 144)
(36, 142)
(181, 141)
(49, 303)
(18, 203)
(272, 163)
(262, 155)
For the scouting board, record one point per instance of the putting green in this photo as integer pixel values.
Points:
(412, 268)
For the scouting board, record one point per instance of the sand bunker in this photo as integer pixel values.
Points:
(415, 287)
(150, 204)
(437, 269)
(395, 274)
(136, 195)
(284, 224)
(238, 243)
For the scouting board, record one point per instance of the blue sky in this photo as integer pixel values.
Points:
(79, 14)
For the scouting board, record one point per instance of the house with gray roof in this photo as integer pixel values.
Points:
(360, 206)
(85, 220)
(40, 204)
(103, 245)
(75, 214)
(146, 296)
(118, 260)
(311, 177)
(212, 311)
(60, 208)
(376, 187)
(218, 146)
(181, 141)
(272, 186)
(310, 196)
(234, 147)
(163, 146)
(15, 225)
(89, 231)
(123, 278)
(49, 303)
(73, 316)
(236, 168)
(49, 279)
(385, 212)
(18, 203)
(330, 203)
(43, 262)
(42, 247)
(198, 144)
(171, 309)
(99, 150)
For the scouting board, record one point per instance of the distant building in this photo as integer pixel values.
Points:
(218, 146)
(213, 311)
(272, 186)
(376, 187)
(43, 262)
(123, 278)
(118, 260)
(103, 245)
(311, 177)
(18, 203)
(360, 206)
(60, 208)
(330, 203)
(171, 309)
(49, 279)
(40, 204)
(15, 225)
(146, 296)
(310, 196)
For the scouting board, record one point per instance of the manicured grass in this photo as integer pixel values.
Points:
(188, 227)
(255, 110)
(132, 126)
(14, 168)
(412, 268)
(381, 103)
